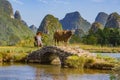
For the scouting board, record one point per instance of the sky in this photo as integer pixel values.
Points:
(33, 11)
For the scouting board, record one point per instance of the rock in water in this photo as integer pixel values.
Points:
(113, 21)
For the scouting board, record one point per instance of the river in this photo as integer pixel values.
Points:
(50, 72)
(114, 55)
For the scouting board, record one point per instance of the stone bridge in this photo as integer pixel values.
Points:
(48, 53)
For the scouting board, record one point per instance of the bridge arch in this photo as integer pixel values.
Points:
(48, 54)
(48, 57)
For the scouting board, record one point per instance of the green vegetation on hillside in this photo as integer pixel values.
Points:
(11, 30)
(48, 26)
(104, 35)
(6, 8)
(116, 15)
(113, 21)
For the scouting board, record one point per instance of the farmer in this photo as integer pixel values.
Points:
(38, 41)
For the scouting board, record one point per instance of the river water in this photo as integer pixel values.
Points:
(114, 55)
(50, 72)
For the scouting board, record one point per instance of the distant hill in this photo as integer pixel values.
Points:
(79, 32)
(95, 26)
(12, 30)
(17, 15)
(101, 18)
(75, 21)
(6, 8)
(113, 21)
(33, 28)
(48, 26)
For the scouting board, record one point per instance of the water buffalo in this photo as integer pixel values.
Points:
(62, 36)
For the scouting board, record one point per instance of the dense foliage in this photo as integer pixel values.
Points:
(107, 36)
(75, 39)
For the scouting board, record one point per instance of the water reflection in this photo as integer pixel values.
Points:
(48, 72)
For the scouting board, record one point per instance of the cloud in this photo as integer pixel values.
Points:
(98, 1)
(18, 2)
(54, 1)
(43, 1)
(61, 2)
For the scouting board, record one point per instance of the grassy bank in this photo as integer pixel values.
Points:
(96, 62)
(18, 54)
(14, 53)
(98, 49)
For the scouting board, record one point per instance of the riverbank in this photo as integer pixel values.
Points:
(14, 53)
(72, 57)
(19, 54)
(98, 49)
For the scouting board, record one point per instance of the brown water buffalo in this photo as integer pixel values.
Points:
(62, 36)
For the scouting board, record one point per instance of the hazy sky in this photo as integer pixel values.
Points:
(33, 11)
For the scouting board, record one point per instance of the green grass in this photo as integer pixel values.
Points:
(81, 62)
(16, 49)
(19, 53)
(96, 62)
(107, 58)
(75, 62)
(98, 49)
(15, 53)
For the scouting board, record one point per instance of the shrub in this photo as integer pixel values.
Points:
(6, 57)
(47, 40)
(26, 43)
(90, 60)
(19, 57)
(1, 57)
(75, 62)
